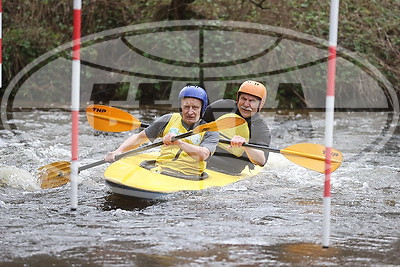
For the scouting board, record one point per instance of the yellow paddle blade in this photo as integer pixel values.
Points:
(109, 119)
(221, 123)
(312, 156)
(54, 174)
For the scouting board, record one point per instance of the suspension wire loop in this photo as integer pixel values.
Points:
(1, 43)
(329, 117)
(75, 92)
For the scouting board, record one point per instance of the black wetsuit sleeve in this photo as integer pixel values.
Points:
(210, 141)
(260, 135)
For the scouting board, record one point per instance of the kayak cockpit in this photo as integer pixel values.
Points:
(151, 165)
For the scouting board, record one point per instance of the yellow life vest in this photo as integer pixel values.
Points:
(175, 159)
(242, 130)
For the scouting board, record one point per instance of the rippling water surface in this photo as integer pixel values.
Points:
(274, 218)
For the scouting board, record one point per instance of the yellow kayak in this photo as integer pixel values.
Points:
(127, 177)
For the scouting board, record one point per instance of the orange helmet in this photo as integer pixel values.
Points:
(253, 88)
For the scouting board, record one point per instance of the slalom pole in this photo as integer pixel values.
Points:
(76, 69)
(329, 116)
(1, 43)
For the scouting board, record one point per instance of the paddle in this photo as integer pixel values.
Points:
(109, 119)
(57, 173)
(310, 156)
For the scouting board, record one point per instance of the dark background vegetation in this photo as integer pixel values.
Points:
(368, 27)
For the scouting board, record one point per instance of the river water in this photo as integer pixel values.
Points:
(274, 218)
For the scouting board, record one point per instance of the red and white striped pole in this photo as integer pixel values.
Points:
(329, 116)
(76, 70)
(1, 43)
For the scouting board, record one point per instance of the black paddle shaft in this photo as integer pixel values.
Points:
(144, 125)
(266, 148)
(134, 151)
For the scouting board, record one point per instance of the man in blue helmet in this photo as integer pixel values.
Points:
(185, 156)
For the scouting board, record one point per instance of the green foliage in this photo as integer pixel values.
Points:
(370, 28)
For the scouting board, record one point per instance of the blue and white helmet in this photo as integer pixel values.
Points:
(195, 92)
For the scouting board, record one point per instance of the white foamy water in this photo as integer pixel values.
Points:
(18, 178)
(274, 218)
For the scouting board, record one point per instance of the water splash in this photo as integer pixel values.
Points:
(18, 178)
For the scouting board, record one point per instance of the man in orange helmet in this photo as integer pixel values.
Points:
(234, 158)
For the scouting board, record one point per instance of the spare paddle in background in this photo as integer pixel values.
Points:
(57, 173)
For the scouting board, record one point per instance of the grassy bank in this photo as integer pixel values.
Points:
(369, 28)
